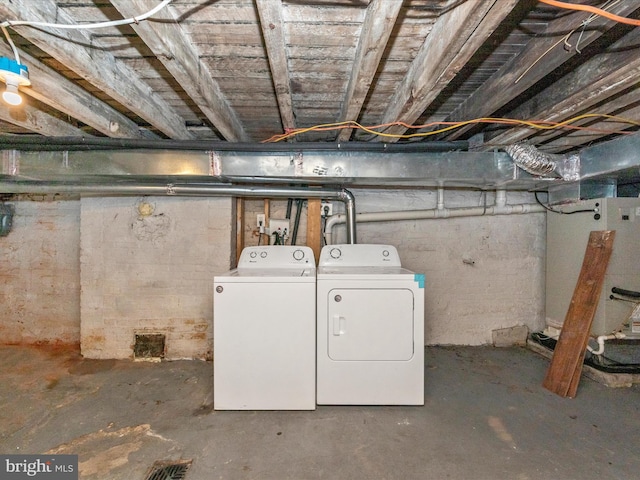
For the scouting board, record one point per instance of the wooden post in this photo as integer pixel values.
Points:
(239, 227)
(564, 372)
(314, 227)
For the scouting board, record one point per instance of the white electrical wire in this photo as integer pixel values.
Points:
(78, 26)
(11, 44)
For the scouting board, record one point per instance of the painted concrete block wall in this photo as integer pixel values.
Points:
(482, 273)
(40, 273)
(147, 266)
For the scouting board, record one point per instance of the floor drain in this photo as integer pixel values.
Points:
(168, 470)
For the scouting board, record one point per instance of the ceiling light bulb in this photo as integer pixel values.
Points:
(11, 94)
(15, 75)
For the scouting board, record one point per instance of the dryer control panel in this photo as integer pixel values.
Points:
(276, 256)
(359, 255)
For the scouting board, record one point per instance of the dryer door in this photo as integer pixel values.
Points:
(370, 324)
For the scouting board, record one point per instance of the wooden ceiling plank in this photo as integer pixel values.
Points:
(168, 42)
(38, 121)
(80, 53)
(272, 23)
(626, 105)
(53, 89)
(588, 85)
(454, 38)
(532, 64)
(378, 24)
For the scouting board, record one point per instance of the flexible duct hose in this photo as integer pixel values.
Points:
(532, 160)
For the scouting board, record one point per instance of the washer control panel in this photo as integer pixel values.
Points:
(359, 255)
(274, 256)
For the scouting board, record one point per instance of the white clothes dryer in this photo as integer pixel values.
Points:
(264, 331)
(370, 328)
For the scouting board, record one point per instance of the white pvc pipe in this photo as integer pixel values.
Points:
(500, 208)
(603, 338)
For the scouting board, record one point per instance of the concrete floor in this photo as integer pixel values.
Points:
(486, 417)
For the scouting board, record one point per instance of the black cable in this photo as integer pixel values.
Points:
(625, 293)
(289, 204)
(296, 222)
(613, 297)
(548, 208)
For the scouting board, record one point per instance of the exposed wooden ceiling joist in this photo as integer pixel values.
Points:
(243, 70)
(563, 141)
(541, 55)
(272, 24)
(377, 27)
(55, 90)
(590, 84)
(38, 121)
(455, 37)
(78, 51)
(167, 41)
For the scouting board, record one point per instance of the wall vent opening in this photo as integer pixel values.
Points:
(149, 346)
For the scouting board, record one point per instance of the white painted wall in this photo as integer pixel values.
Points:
(147, 267)
(153, 273)
(40, 273)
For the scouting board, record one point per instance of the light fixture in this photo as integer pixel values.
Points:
(15, 75)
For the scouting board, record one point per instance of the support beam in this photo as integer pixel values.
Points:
(272, 24)
(314, 227)
(455, 37)
(588, 85)
(532, 64)
(53, 89)
(377, 27)
(82, 54)
(166, 39)
(38, 121)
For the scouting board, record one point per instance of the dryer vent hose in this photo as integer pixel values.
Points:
(532, 160)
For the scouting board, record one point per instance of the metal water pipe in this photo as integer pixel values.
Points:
(183, 189)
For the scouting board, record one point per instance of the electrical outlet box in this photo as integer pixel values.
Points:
(260, 220)
(326, 209)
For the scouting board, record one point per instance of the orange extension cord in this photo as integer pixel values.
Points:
(590, 9)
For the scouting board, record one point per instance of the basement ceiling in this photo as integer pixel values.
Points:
(251, 70)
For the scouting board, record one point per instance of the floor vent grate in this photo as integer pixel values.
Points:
(169, 470)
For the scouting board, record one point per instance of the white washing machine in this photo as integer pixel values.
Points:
(370, 328)
(264, 331)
